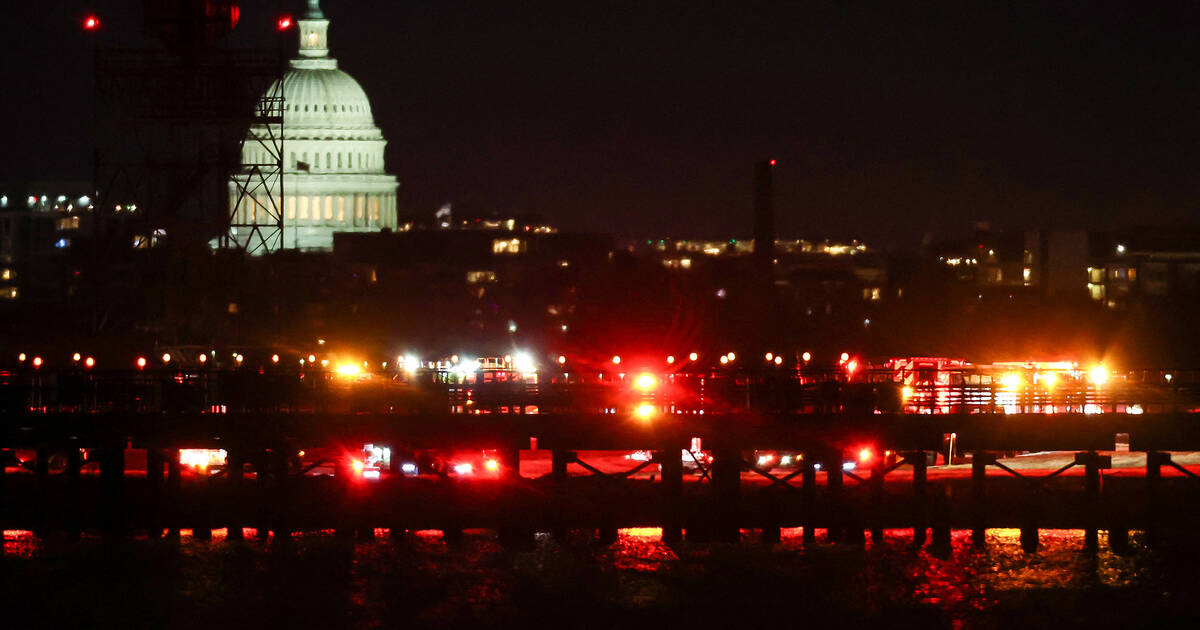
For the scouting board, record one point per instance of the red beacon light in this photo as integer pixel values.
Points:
(91, 23)
(284, 23)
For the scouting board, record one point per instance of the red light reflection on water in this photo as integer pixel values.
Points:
(641, 549)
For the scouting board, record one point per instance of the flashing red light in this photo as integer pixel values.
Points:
(645, 381)
(864, 455)
(492, 465)
(91, 23)
(284, 23)
(141, 363)
(772, 162)
(89, 362)
(37, 362)
(851, 366)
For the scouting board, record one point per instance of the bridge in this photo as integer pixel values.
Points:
(103, 451)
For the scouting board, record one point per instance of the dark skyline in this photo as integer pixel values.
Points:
(645, 119)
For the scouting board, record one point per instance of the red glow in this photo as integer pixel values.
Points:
(284, 23)
(141, 362)
(91, 23)
(772, 162)
(90, 362)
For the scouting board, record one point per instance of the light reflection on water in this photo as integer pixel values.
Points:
(317, 579)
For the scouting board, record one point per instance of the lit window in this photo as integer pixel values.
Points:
(6, 274)
(9, 293)
(481, 277)
(507, 246)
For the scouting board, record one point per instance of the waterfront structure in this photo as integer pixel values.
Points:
(334, 178)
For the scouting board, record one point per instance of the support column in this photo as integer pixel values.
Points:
(672, 494)
(808, 493)
(919, 466)
(112, 488)
(174, 502)
(1154, 463)
(979, 463)
(727, 493)
(877, 499)
(154, 487)
(41, 471)
(75, 492)
(835, 490)
(559, 458)
(1093, 463)
(235, 470)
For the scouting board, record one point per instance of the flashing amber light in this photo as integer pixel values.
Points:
(732, 356)
(239, 358)
(166, 357)
(724, 359)
(21, 357)
(778, 360)
(616, 359)
(770, 356)
(645, 381)
(203, 358)
(141, 363)
(76, 357)
(807, 356)
(284, 23)
(349, 369)
(1048, 379)
(89, 362)
(851, 367)
(693, 356)
(1010, 381)
(91, 23)
(562, 359)
(864, 455)
(37, 362)
(845, 357)
(492, 465)
(1098, 375)
(906, 392)
(670, 359)
(645, 412)
(358, 466)
(274, 358)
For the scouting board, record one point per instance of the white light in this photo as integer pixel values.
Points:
(370, 474)
(463, 469)
(408, 468)
(848, 466)
(524, 363)
(512, 326)
(466, 366)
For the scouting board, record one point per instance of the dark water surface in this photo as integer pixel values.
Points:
(417, 581)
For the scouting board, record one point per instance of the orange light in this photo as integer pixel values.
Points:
(778, 360)
(1010, 381)
(731, 356)
(284, 23)
(693, 356)
(274, 358)
(562, 359)
(770, 356)
(851, 366)
(89, 362)
(91, 23)
(864, 455)
(358, 466)
(21, 357)
(1097, 375)
(76, 357)
(616, 359)
(807, 356)
(845, 357)
(37, 362)
(670, 359)
(492, 465)
(141, 362)
(645, 381)
(724, 359)
(645, 412)
(166, 357)
(203, 358)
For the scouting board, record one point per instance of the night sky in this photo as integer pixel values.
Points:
(644, 118)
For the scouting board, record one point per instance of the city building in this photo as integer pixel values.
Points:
(334, 178)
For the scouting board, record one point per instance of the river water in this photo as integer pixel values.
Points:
(417, 581)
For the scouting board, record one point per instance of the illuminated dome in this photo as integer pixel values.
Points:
(334, 178)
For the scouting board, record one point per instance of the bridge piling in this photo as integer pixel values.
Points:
(1154, 463)
(980, 460)
(834, 489)
(559, 459)
(727, 493)
(154, 487)
(112, 487)
(878, 472)
(235, 466)
(919, 466)
(808, 494)
(41, 471)
(672, 495)
(74, 494)
(174, 502)
(1093, 463)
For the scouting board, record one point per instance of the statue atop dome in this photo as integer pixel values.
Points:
(314, 37)
(314, 10)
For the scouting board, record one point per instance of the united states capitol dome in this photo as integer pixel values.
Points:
(333, 175)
